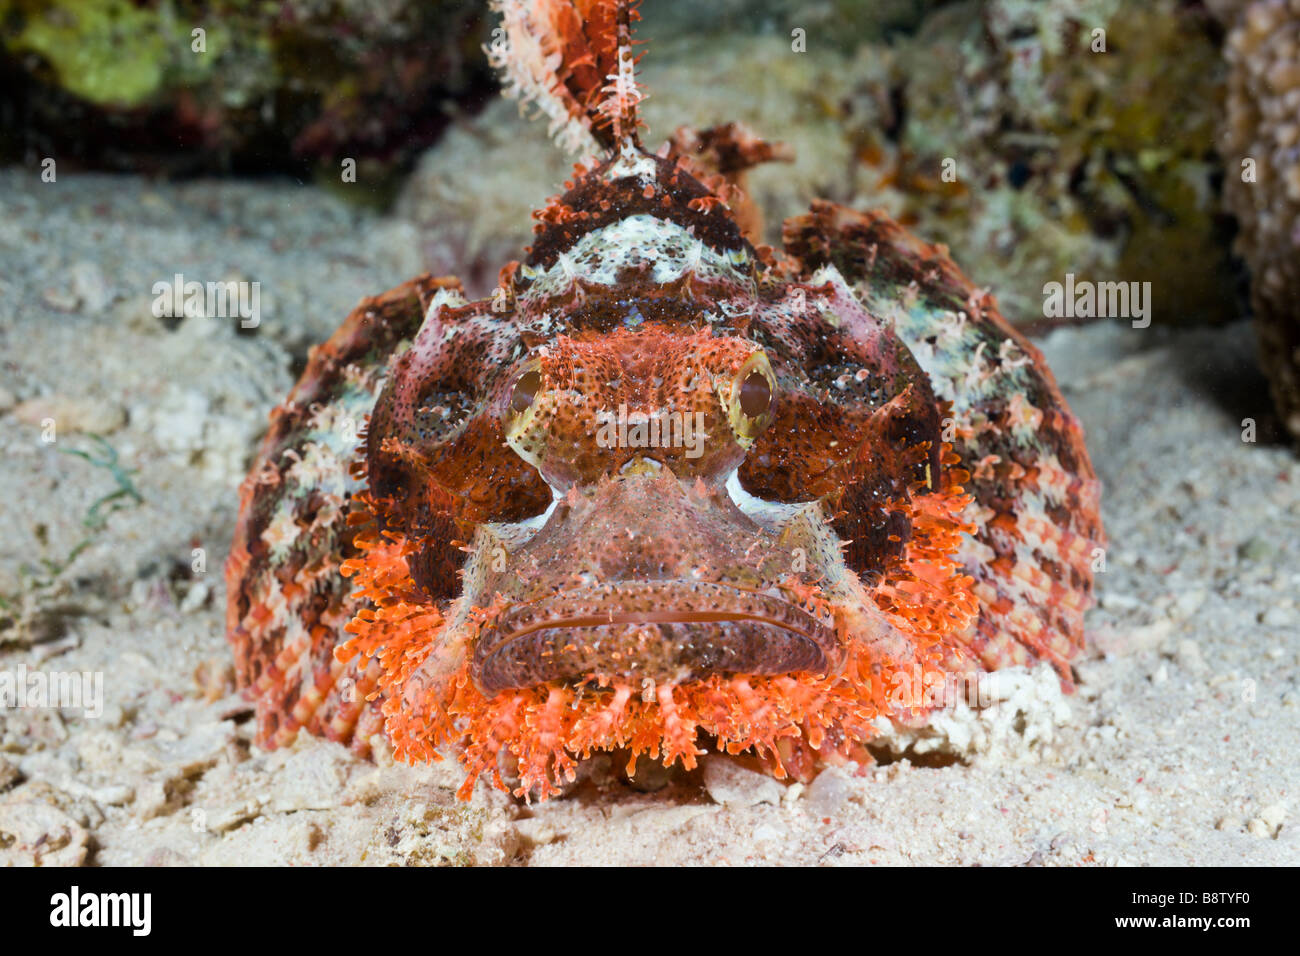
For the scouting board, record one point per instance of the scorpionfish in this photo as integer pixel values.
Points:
(667, 490)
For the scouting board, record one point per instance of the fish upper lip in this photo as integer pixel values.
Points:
(760, 632)
(782, 612)
(652, 617)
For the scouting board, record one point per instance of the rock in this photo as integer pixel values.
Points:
(733, 785)
(166, 856)
(196, 597)
(72, 413)
(1280, 615)
(1189, 657)
(396, 246)
(1258, 141)
(114, 795)
(1151, 635)
(45, 650)
(34, 833)
(1033, 99)
(413, 833)
(1269, 821)
(90, 288)
(1226, 11)
(99, 751)
(1189, 602)
(178, 420)
(154, 798)
(197, 750)
(1255, 550)
(828, 792)
(844, 23)
(215, 678)
(1115, 601)
(10, 776)
(196, 430)
(1273, 814)
(312, 778)
(123, 85)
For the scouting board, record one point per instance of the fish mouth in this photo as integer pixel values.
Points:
(662, 631)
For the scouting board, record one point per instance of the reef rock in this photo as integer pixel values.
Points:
(1260, 143)
(243, 86)
(1076, 137)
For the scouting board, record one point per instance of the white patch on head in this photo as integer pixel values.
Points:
(600, 257)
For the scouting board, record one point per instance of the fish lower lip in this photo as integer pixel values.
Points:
(656, 629)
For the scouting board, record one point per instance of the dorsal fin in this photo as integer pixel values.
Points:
(572, 59)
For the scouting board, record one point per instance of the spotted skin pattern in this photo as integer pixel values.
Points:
(1037, 500)
(665, 491)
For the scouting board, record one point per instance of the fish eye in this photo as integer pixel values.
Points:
(752, 391)
(755, 394)
(526, 389)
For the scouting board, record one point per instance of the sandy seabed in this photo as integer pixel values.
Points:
(1179, 747)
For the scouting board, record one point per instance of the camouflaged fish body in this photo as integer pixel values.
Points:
(665, 491)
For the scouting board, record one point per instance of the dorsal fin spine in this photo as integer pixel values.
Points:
(573, 60)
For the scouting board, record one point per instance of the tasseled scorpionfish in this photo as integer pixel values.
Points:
(665, 490)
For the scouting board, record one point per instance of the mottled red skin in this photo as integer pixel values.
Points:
(520, 584)
(306, 582)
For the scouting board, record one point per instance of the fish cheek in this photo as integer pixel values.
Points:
(898, 458)
(435, 477)
(410, 503)
(863, 461)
